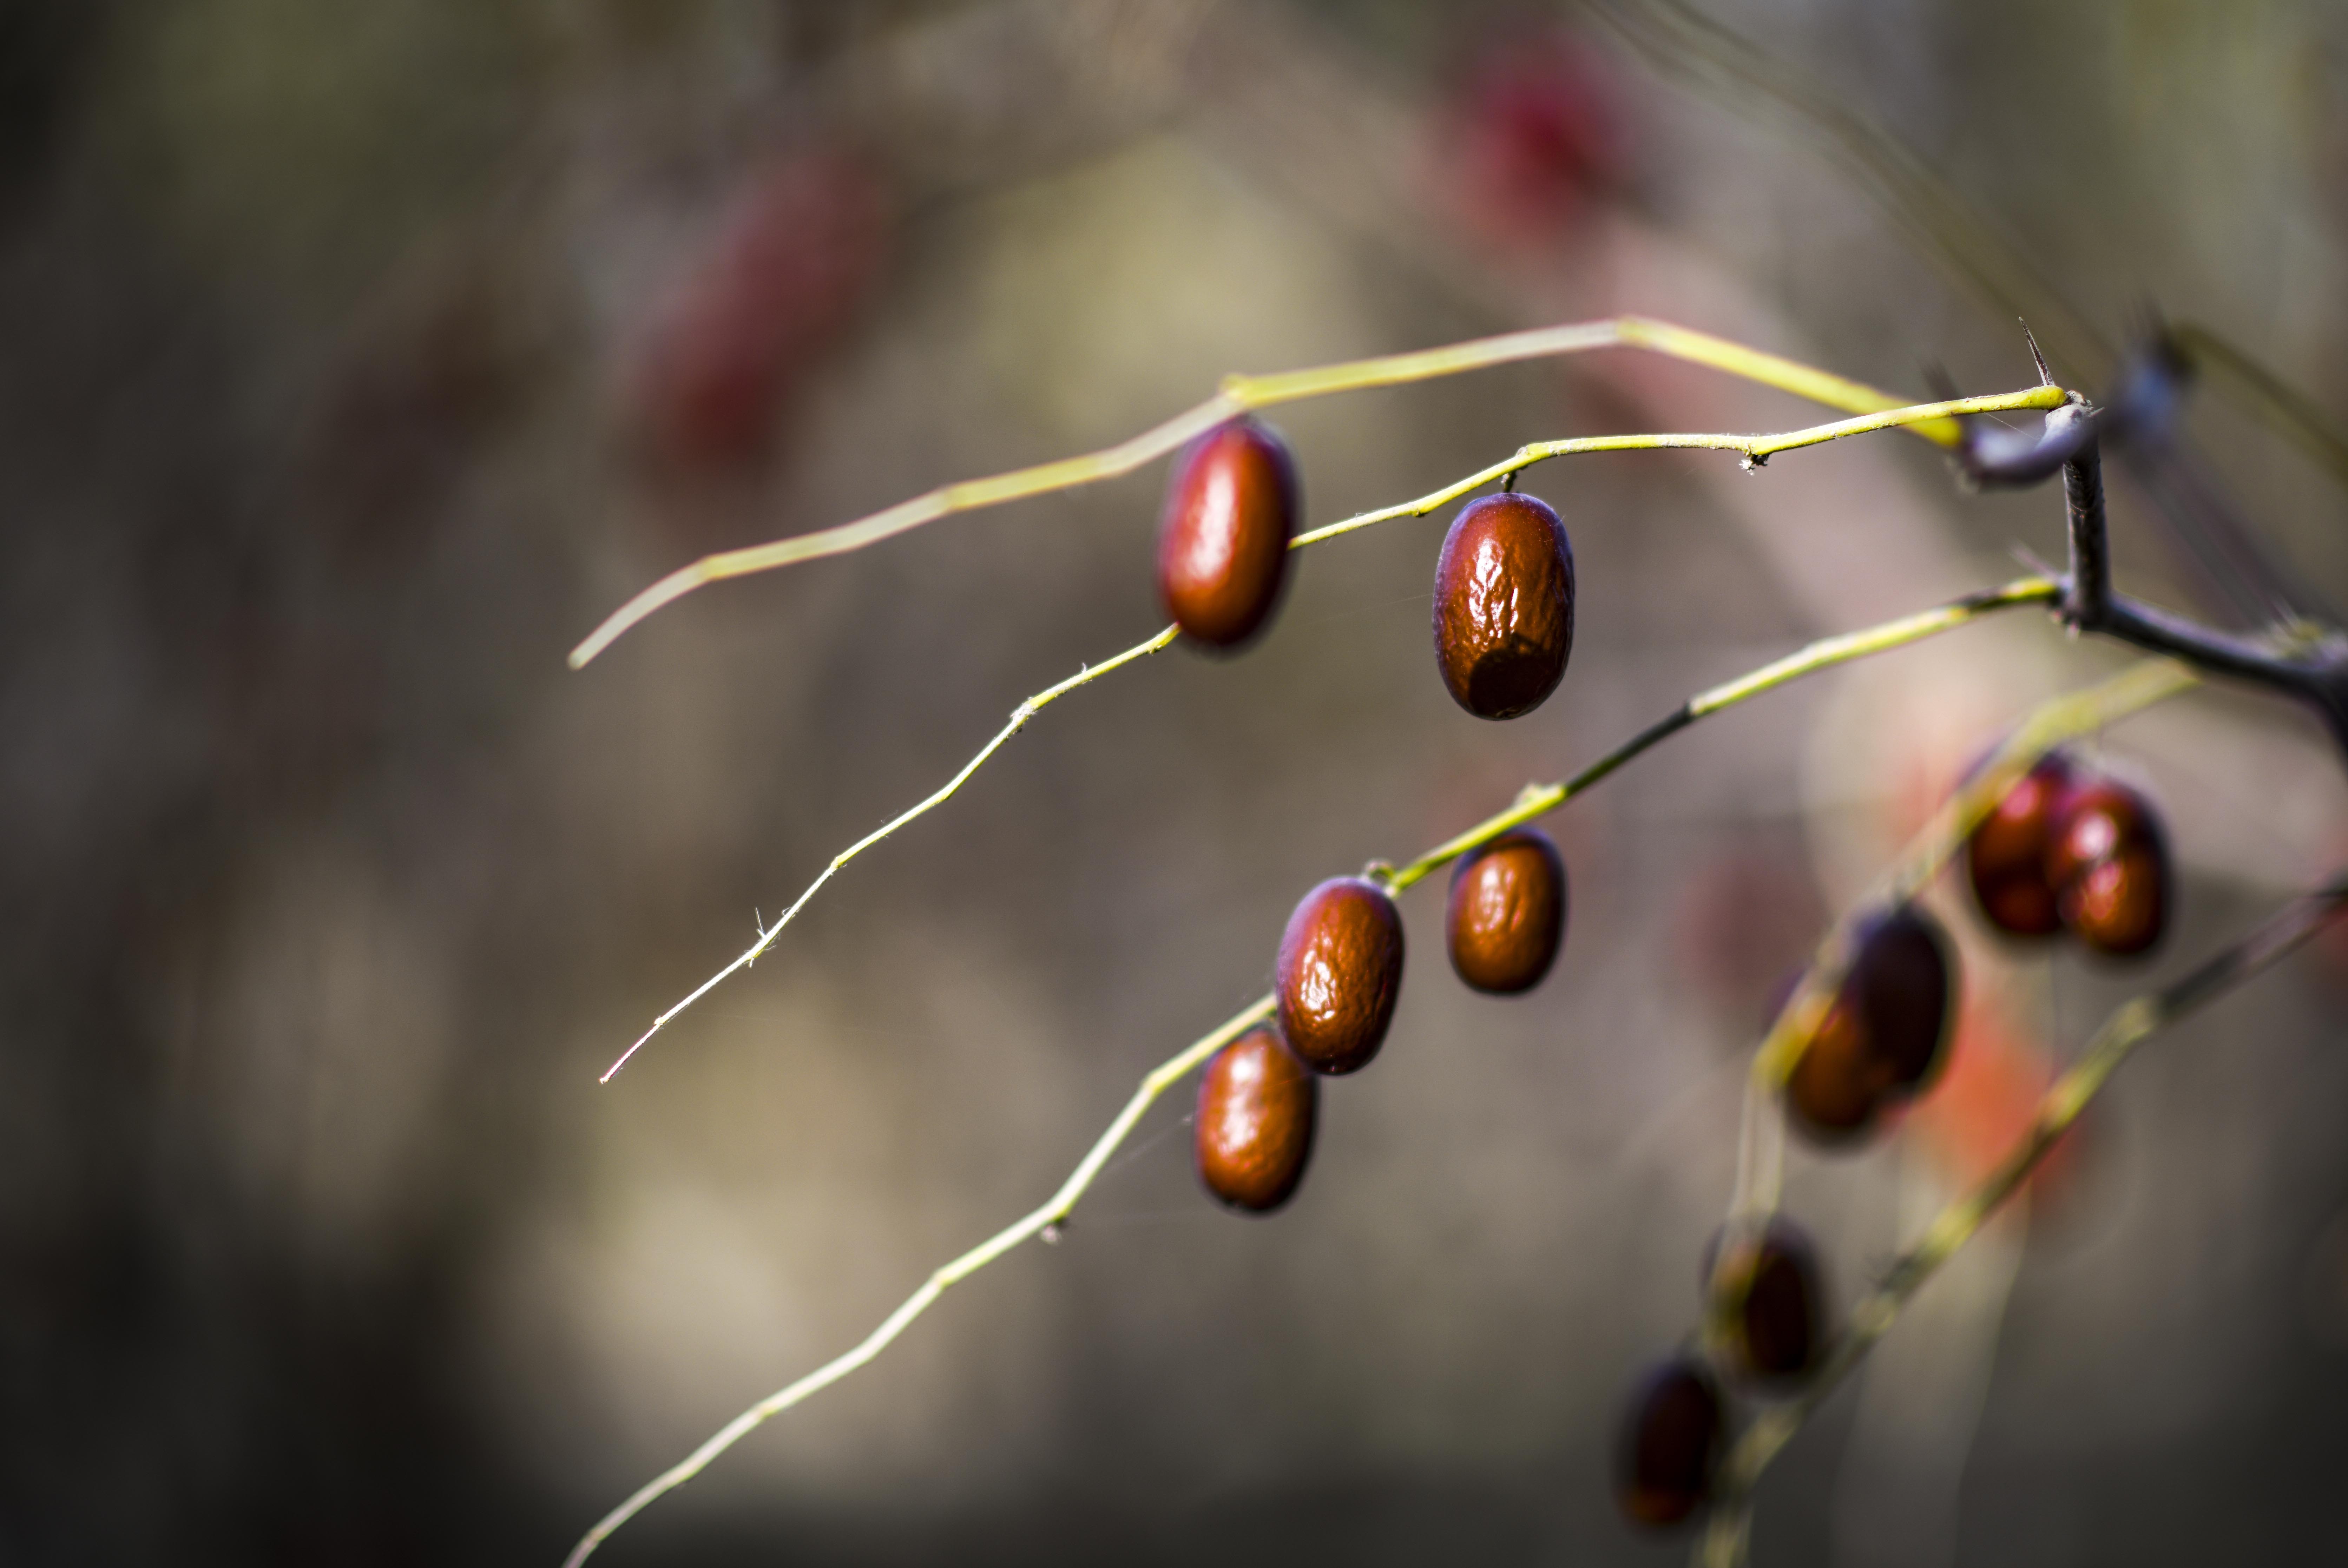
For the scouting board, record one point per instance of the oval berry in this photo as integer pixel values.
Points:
(1669, 1445)
(1900, 982)
(1838, 1087)
(1256, 1108)
(1504, 605)
(1506, 918)
(2005, 858)
(1883, 1036)
(1231, 505)
(1769, 1298)
(1339, 973)
(2109, 865)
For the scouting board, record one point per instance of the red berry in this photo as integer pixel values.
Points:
(1231, 505)
(1883, 1036)
(2006, 855)
(1339, 973)
(1257, 1107)
(2108, 863)
(1506, 918)
(1770, 1299)
(1670, 1444)
(1837, 1087)
(1504, 605)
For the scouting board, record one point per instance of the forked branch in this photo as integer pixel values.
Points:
(2301, 661)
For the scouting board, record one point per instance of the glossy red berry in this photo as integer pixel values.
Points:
(1882, 1038)
(1670, 1444)
(1231, 505)
(2108, 863)
(1504, 605)
(1257, 1107)
(1769, 1298)
(1339, 974)
(2005, 858)
(1507, 914)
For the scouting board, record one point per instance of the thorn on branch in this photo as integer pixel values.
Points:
(2045, 377)
(2142, 406)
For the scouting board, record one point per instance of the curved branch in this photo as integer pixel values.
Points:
(1239, 394)
(1531, 802)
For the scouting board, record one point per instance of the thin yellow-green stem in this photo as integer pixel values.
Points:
(1957, 1222)
(1530, 803)
(1056, 1211)
(1751, 445)
(1536, 800)
(1242, 393)
(1754, 450)
(1019, 717)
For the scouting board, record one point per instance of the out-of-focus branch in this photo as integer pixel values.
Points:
(1724, 1542)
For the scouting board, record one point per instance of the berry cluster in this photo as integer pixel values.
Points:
(1503, 630)
(2067, 850)
(2064, 849)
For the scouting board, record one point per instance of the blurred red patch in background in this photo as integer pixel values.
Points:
(753, 312)
(1745, 925)
(1987, 1099)
(1528, 140)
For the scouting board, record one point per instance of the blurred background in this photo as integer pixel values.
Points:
(356, 359)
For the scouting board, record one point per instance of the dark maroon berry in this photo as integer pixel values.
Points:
(1882, 1037)
(1257, 1106)
(1222, 539)
(1900, 980)
(1339, 974)
(2109, 865)
(1770, 1300)
(1504, 605)
(1670, 1444)
(2006, 855)
(1506, 918)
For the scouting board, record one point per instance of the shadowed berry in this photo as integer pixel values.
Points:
(1506, 917)
(1670, 1444)
(1882, 1037)
(1339, 973)
(1770, 1299)
(1257, 1106)
(1504, 605)
(1222, 539)
(2109, 865)
(2005, 858)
